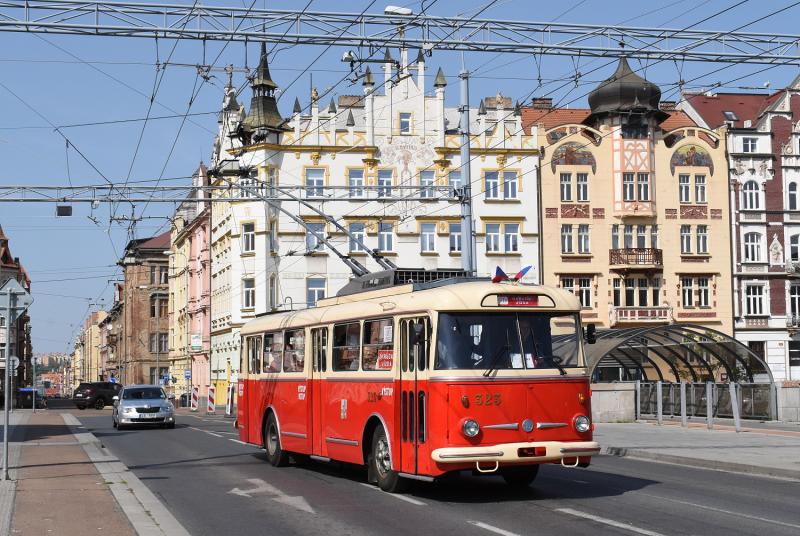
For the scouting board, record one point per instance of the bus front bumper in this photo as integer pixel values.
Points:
(527, 452)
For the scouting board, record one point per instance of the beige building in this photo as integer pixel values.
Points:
(86, 356)
(634, 213)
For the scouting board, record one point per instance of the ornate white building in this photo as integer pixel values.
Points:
(385, 166)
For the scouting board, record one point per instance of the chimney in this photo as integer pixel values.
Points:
(542, 103)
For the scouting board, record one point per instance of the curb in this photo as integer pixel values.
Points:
(145, 512)
(713, 465)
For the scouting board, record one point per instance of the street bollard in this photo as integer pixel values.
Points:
(659, 402)
(710, 404)
(684, 418)
(735, 406)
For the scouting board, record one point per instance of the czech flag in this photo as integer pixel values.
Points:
(499, 275)
(521, 273)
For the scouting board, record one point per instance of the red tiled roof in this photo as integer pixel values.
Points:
(161, 242)
(744, 105)
(565, 116)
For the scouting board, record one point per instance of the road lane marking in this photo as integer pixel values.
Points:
(609, 522)
(296, 501)
(237, 441)
(492, 528)
(212, 433)
(395, 495)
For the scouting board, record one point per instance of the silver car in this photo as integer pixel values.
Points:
(143, 404)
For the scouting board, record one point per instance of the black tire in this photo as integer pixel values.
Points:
(272, 443)
(100, 403)
(380, 464)
(301, 459)
(171, 425)
(520, 477)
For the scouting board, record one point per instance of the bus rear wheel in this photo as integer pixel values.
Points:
(521, 476)
(380, 462)
(272, 443)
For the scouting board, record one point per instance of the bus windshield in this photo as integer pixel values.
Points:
(489, 341)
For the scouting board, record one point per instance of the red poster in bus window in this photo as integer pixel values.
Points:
(385, 359)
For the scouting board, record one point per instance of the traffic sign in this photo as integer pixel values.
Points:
(21, 299)
(187, 374)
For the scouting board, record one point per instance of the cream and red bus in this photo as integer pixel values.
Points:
(416, 380)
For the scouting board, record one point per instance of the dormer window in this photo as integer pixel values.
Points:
(730, 116)
(405, 123)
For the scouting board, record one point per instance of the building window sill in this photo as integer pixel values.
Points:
(503, 254)
(429, 253)
(248, 254)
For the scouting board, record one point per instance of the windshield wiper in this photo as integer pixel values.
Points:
(557, 362)
(496, 358)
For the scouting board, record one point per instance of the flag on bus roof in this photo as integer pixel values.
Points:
(522, 273)
(499, 275)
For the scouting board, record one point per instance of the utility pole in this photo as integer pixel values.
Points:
(468, 261)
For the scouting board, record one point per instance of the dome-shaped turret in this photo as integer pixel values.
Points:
(625, 92)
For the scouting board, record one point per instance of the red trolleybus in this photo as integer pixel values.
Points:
(417, 380)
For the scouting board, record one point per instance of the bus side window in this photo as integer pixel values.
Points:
(420, 339)
(273, 351)
(294, 351)
(346, 346)
(378, 353)
(254, 354)
(319, 348)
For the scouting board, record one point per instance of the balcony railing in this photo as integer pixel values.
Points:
(636, 256)
(640, 314)
(793, 321)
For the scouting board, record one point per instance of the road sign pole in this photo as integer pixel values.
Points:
(6, 384)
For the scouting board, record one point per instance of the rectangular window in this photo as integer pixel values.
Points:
(566, 239)
(641, 236)
(617, 293)
(794, 353)
(758, 348)
(385, 237)
(246, 190)
(378, 345)
(492, 237)
(683, 189)
(355, 182)
(385, 182)
(248, 237)
(628, 187)
(699, 188)
(319, 348)
(254, 355)
(585, 291)
(568, 284)
(357, 230)
(455, 238)
(566, 187)
(294, 351)
(702, 292)
(509, 184)
(615, 236)
(628, 236)
(630, 293)
(315, 290)
(686, 239)
(273, 352)
(315, 232)
(511, 237)
(749, 145)
(315, 182)
(248, 293)
(582, 187)
(655, 287)
(752, 247)
(346, 346)
(427, 237)
(654, 236)
(687, 293)
(643, 288)
(454, 182)
(702, 238)
(794, 304)
(154, 275)
(754, 300)
(405, 123)
(273, 236)
(427, 180)
(163, 275)
(491, 185)
(643, 186)
(583, 239)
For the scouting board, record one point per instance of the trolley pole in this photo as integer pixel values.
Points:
(468, 260)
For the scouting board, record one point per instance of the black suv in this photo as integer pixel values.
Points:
(95, 395)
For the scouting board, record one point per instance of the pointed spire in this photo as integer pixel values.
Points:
(263, 77)
(332, 107)
(368, 78)
(387, 57)
(440, 79)
(297, 108)
(518, 109)
(481, 108)
(420, 57)
(351, 122)
(2, 234)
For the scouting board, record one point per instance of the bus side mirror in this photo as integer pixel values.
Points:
(591, 334)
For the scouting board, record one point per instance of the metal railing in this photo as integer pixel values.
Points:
(641, 314)
(636, 256)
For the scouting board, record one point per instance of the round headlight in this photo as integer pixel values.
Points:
(582, 423)
(470, 428)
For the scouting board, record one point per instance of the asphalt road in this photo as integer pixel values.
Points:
(215, 485)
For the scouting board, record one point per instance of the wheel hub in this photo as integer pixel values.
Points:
(382, 457)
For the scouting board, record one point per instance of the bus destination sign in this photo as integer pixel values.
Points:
(518, 300)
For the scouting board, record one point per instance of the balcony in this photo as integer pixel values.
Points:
(640, 315)
(631, 258)
(793, 321)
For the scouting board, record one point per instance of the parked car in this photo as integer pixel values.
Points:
(143, 404)
(95, 395)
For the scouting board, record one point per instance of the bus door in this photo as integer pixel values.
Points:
(414, 350)
(319, 360)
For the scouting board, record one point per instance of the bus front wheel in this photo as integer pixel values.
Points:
(272, 443)
(521, 476)
(380, 460)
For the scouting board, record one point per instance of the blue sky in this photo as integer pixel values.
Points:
(71, 260)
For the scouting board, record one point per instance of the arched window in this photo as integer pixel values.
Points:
(794, 248)
(752, 247)
(792, 196)
(750, 196)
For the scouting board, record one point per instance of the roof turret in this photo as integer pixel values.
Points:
(625, 92)
(263, 106)
(440, 80)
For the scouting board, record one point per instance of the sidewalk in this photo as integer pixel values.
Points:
(759, 449)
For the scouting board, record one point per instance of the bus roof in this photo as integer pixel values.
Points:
(405, 299)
